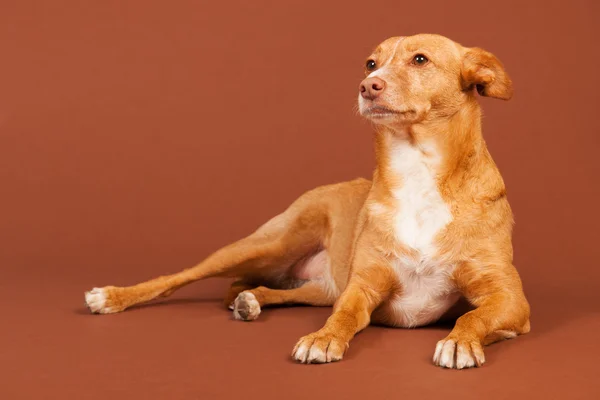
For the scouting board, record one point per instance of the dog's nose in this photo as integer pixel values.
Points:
(371, 88)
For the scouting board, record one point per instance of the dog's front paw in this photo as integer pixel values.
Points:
(453, 352)
(319, 347)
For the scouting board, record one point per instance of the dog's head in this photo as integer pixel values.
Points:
(416, 78)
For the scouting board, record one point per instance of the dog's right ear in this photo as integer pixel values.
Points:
(482, 70)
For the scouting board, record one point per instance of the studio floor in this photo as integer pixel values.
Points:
(189, 347)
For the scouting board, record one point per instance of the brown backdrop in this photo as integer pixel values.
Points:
(136, 137)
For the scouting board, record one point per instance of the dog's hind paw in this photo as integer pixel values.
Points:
(100, 301)
(246, 307)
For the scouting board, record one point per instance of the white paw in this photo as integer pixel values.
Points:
(246, 307)
(459, 354)
(319, 348)
(96, 301)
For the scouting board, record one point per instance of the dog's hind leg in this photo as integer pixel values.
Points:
(274, 247)
(248, 303)
(234, 290)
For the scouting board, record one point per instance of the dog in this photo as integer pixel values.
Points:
(432, 227)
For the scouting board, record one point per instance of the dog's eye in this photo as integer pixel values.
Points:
(371, 65)
(420, 59)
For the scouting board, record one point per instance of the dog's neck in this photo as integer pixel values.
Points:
(451, 147)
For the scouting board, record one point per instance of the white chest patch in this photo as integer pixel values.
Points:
(425, 295)
(420, 211)
(420, 214)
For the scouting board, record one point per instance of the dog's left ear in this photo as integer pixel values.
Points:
(482, 70)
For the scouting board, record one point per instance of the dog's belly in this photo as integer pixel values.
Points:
(316, 268)
(426, 294)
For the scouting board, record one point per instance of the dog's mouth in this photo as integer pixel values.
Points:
(377, 111)
(381, 113)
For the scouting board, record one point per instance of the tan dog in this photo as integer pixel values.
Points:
(434, 225)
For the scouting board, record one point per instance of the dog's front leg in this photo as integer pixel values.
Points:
(367, 289)
(502, 313)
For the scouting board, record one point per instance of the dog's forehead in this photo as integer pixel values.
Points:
(398, 45)
(389, 46)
